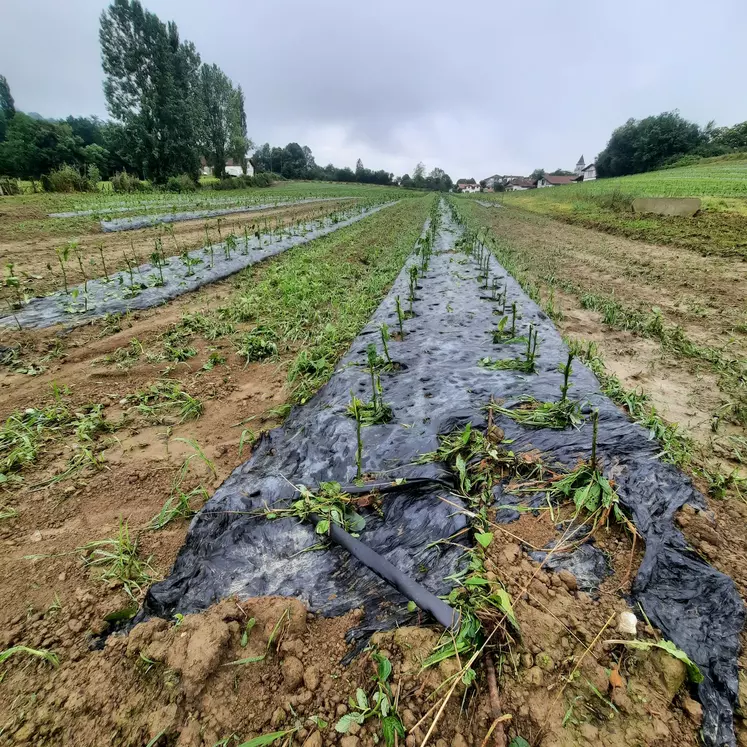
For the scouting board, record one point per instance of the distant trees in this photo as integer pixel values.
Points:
(172, 109)
(297, 162)
(221, 121)
(438, 180)
(151, 86)
(238, 140)
(643, 145)
(730, 138)
(561, 172)
(537, 174)
(7, 106)
(34, 147)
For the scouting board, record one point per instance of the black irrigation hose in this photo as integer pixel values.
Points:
(428, 602)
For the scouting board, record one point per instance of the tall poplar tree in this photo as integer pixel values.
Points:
(151, 87)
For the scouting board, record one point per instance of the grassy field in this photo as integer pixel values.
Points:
(606, 204)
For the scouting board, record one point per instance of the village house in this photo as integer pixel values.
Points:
(470, 186)
(232, 169)
(520, 183)
(554, 181)
(584, 173)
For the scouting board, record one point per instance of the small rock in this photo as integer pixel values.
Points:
(292, 673)
(533, 676)
(568, 579)
(75, 625)
(708, 549)
(409, 719)
(672, 673)
(527, 660)
(350, 741)
(458, 741)
(36, 536)
(627, 623)
(342, 709)
(590, 732)
(511, 552)
(693, 709)
(313, 740)
(620, 698)
(278, 717)
(311, 678)
(62, 576)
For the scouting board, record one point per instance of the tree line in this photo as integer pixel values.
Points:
(168, 109)
(663, 140)
(297, 162)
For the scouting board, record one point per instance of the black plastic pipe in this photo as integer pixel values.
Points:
(428, 602)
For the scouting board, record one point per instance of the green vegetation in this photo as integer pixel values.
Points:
(329, 504)
(179, 503)
(532, 413)
(381, 704)
(47, 656)
(606, 205)
(163, 401)
(117, 561)
(317, 299)
(24, 434)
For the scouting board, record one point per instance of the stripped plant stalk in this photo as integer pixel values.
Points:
(400, 317)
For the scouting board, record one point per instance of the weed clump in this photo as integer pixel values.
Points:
(258, 345)
(532, 413)
(525, 364)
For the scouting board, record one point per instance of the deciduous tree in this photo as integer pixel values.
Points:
(151, 86)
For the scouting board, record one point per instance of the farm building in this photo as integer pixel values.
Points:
(470, 186)
(520, 183)
(232, 169)
(554, 181)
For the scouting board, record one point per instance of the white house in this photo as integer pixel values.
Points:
(585, 173)
(468, 187)
(232, 169)
(589, 173)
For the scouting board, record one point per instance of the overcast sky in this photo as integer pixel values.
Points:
(477, 88)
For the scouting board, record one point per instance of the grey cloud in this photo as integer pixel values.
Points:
(476, 87)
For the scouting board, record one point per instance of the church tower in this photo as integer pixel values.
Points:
(580, 166)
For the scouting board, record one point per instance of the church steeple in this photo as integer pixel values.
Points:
(580, 166)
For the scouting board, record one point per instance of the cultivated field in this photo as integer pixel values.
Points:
(178, 481)
(605, 204)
